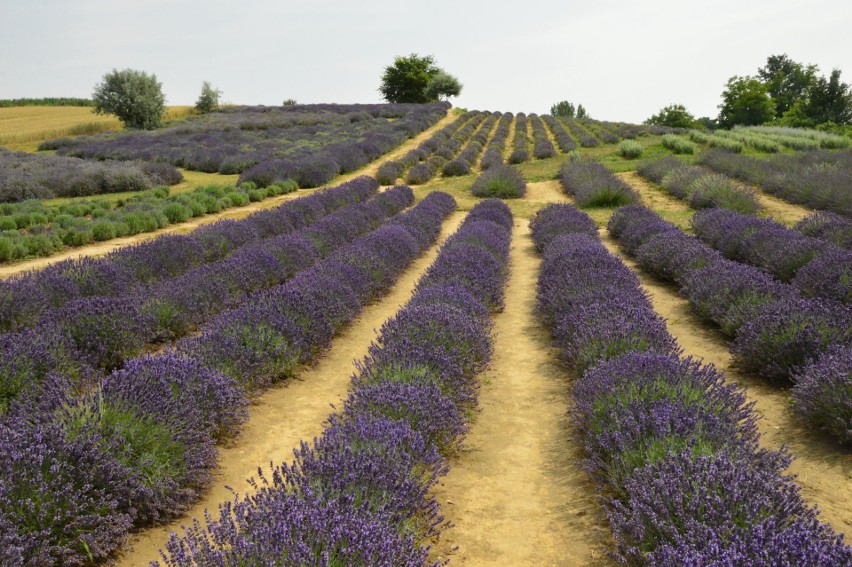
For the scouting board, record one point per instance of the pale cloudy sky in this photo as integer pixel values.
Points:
(623, 60)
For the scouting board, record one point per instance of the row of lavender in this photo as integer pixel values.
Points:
(673, 446)
(819, 179)
(360, 495)
(698, 186)
(591, 184)
(493, 154)
(26, 297)
(468, 157)
(26, 176)
(776, 332)
(266, 145)
(423, 162)
(816, 267)
(93, 335)
(77, 472)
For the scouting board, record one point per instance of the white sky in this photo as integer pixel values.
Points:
(623, 60)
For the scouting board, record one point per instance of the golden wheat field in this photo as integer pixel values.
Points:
(22, 128)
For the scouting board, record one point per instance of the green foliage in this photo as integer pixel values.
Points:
(786, 81)
(630, 149)
(135, 97)
(829, 100)
(674, 116)
(581, 112)
(407, 78)
(745, 100)
(442, 86)
(677, 144)
(208, 101)
(289, 102)
(563, 109)
(50, 101)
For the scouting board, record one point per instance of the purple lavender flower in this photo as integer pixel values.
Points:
(823, 392)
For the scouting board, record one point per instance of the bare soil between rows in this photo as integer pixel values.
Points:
(289, 413)
(515, 494)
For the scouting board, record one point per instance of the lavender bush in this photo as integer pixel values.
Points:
(828, 226)
(500, 181)
(593, 185)
(823, 392)
(27, 176)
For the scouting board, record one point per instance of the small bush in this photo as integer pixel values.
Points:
(500, 181)
(677, 144)
(630, 149)
(102, 231)
(455, 168)
(389, 172)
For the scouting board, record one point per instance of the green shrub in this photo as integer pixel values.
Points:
(103, 230)
(500, 181)
(678, 144)
(630, 149)
(8, 223)
(237, 199)
(177, 212)
(257, 195)
(247, 186)
(7, 249)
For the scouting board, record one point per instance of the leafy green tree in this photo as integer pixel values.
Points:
(289, 102)
(674, 116)
(562, 108)
(208, 101)
(786, 81)
(135, 97)
(581, 112)
(746, 101)
(442, 85)
(416, 78)
(829, 100)
(706, 123)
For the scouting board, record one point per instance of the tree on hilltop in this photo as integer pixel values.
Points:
(674, 116)
(745, 101)
(416, 78)
(208, 101)
(135, 97)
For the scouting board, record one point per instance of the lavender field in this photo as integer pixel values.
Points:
(450, 335)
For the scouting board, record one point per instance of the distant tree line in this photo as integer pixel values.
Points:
(782, 92)
(50, 101)
(566, 109)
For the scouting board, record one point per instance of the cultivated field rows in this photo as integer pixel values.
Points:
(515, 493)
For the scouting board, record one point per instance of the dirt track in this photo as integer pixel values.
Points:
(291, 412)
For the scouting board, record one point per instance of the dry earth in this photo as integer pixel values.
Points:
(291, 412)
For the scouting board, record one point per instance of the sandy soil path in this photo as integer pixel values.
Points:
(782, 211)
(824, 468)
(291, 412)
(515, 494)
(673, 210)
(103, 248)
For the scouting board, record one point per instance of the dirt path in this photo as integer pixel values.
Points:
(778, 209)
(291, 412)
(103, 248)
(515, 495)
(673, 210)
(824, 469)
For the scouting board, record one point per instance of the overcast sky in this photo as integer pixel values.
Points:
(623, 60)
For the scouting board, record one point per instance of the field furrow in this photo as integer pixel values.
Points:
(515, 493)
(290, 412)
